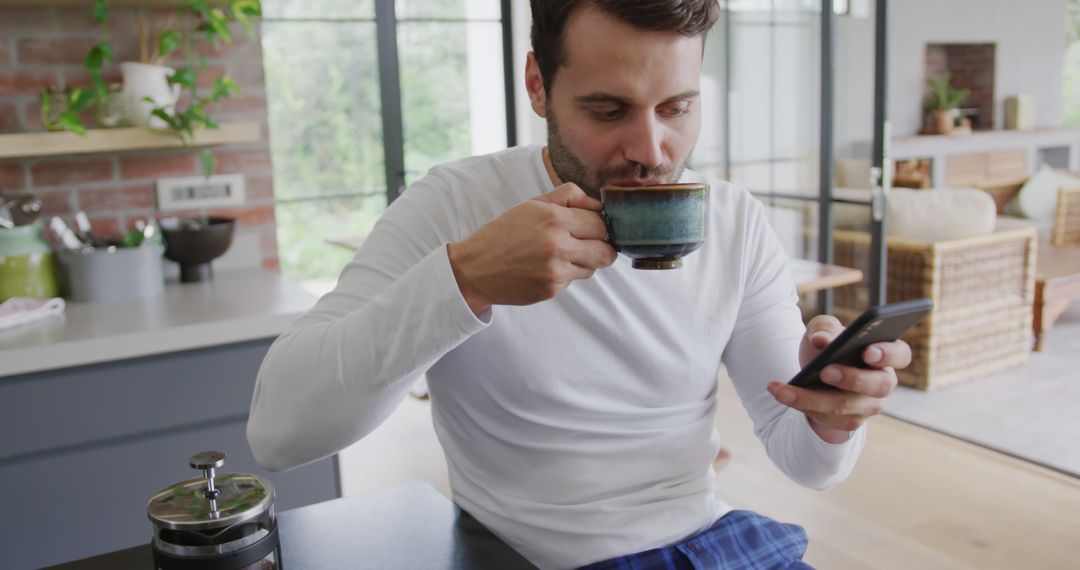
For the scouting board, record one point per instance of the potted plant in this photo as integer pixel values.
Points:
(153, 91)
(146, 82)
(942, 103)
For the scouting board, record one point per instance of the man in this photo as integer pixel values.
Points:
(574, 395)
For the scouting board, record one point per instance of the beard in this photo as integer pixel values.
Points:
(570, 168)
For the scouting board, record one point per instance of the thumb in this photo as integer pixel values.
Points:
(822, 329)
(570, 195)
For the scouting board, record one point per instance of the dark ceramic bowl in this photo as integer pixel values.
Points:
(195, 242)
(656, 225)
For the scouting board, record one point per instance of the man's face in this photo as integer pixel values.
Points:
(624, 107)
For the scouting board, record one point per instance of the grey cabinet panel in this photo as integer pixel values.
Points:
(51, 410)
(86, 502)
(83, 449)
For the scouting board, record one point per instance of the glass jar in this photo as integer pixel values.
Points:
(215, 522)
(27, 264)
(54, 103)
(110, 111)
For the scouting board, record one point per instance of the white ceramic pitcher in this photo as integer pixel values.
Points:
(143, 80)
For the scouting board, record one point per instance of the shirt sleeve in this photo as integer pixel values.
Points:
(764, 346)
(340, 370)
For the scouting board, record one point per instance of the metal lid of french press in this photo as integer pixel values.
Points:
(211, 501)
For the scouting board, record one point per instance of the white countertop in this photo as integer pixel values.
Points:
(236, 306)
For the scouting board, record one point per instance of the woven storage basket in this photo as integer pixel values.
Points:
(982, 289)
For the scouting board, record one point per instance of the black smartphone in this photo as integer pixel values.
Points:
(883, 323)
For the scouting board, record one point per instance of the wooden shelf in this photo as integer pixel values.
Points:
(22, 145)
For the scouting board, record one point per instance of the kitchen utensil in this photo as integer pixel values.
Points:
(215, 522)
(86, 231)
(150, 231)
(67, 237)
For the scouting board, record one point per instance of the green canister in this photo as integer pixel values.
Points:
(27, 264)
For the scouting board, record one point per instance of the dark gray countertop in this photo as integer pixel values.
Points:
(411, 526)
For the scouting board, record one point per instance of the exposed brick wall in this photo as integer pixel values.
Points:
(45, 46)
(972, 67)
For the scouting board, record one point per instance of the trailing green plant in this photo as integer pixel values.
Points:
(206, 20)
(942, 95)
(70, 103)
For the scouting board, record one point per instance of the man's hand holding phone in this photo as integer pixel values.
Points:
(858, 393)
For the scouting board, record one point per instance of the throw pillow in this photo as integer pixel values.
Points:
(1037, 199)
(943, 214)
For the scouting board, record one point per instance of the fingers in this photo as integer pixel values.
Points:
(868, 382)
(591, 254)
(825, 403)
(822, 329)
(580, 272)
(585, 224)
(895, 354)
(571, 196)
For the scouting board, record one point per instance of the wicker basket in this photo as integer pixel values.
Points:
(1067, 221)
(982, 288)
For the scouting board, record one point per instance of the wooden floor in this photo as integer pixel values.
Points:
(917, 499)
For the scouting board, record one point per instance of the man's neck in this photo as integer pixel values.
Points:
(555, 181)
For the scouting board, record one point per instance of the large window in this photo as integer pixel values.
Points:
(364, 97)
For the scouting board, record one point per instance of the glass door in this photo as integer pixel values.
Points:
(794, 99)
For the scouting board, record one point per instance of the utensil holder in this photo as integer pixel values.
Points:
(104, 275)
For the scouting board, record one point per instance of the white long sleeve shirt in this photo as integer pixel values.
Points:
(576, 429)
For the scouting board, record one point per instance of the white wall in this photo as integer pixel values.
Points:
(1030, 38)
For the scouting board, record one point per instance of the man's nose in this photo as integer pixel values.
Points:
(642, 142)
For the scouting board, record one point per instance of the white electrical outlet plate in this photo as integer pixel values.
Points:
(188, 192)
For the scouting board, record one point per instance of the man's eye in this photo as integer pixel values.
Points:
(607, 114)
(676, 110)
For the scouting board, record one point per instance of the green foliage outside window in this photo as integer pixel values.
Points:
(326, 126)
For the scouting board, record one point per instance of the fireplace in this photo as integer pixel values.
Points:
(971, 67)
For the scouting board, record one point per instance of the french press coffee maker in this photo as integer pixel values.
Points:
(215, 522)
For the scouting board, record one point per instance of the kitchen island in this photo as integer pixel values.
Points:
(102, 407)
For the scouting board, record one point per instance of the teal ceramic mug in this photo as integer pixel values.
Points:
(656, 225)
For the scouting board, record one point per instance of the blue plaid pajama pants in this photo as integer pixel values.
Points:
(740, 540)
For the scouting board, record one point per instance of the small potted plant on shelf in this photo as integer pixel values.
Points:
(152, 92)
(943, 102)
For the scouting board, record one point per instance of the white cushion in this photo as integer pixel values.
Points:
(924, 215)
(943, 214)
(1037, 199)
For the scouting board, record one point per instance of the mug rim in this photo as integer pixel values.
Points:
(670, 187)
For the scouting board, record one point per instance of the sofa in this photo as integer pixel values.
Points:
(949, 246)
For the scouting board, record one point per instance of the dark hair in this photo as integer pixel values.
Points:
(687, 17)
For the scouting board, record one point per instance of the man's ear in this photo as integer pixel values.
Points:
(534, 84)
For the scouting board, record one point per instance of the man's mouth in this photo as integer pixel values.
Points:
(635, 182)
